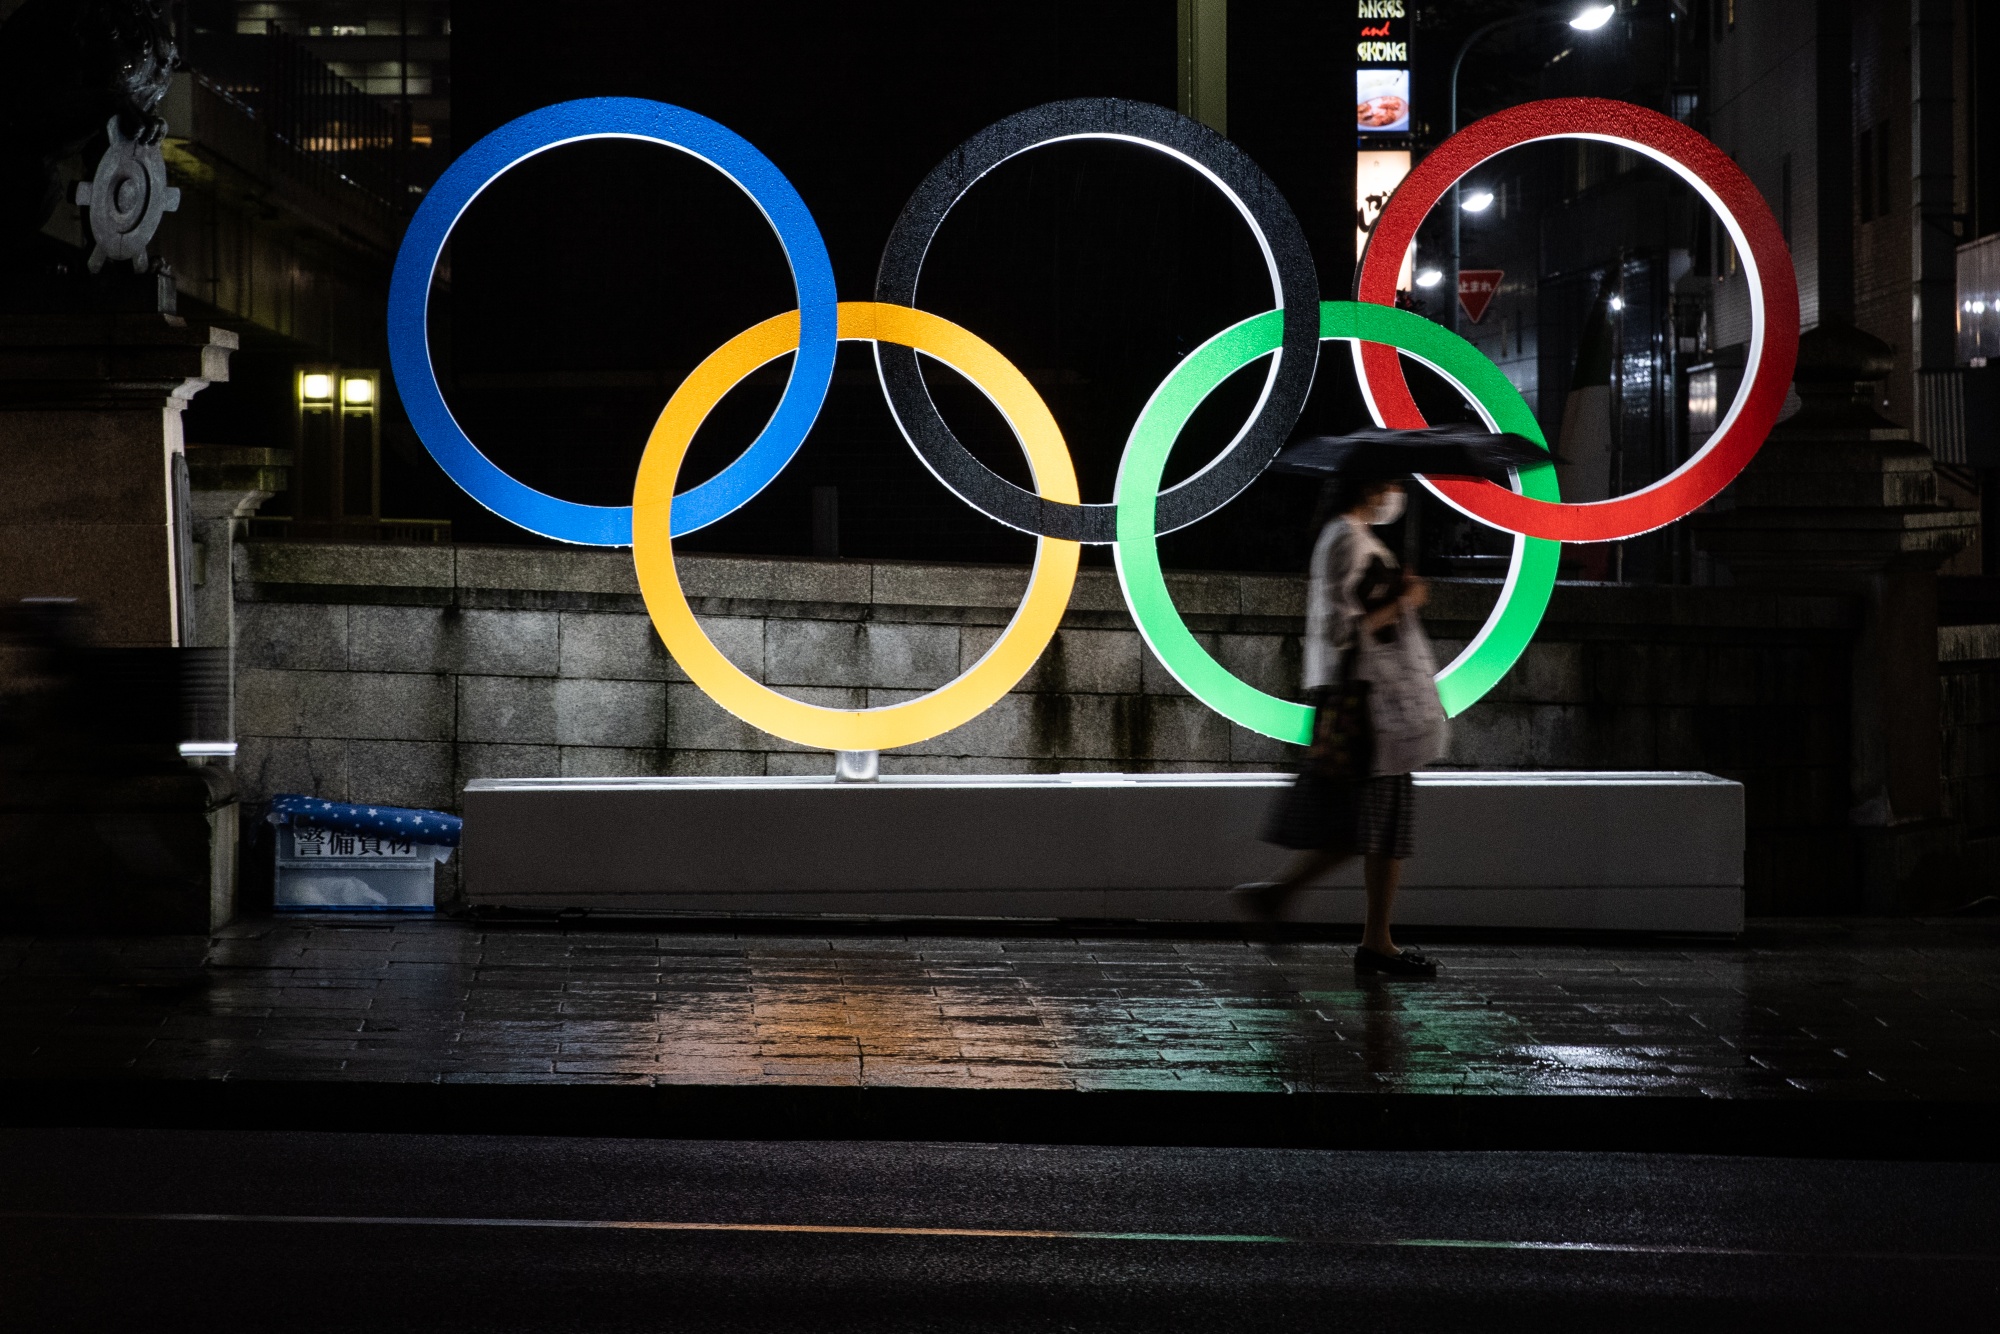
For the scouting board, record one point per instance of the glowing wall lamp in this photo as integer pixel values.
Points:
(338, 436)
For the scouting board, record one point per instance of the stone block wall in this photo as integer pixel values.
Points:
(396, 674)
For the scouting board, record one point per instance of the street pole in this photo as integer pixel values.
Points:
(1550, 14)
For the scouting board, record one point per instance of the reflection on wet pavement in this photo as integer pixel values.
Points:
(1881, 1009)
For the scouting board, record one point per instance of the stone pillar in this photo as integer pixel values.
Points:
(1842, 500)
(226, 484)
(108, 830)
(90, 445)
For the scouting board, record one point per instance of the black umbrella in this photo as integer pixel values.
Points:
(1453, 450)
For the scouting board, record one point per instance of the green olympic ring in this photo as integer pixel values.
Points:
(1531, 574)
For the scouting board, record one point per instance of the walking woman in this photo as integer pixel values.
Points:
(1361, 627)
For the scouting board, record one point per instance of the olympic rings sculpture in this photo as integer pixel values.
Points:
(1289, 334)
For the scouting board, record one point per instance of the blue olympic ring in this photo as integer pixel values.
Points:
(568, 123)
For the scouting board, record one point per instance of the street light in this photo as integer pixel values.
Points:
(1589, 19)
(1478, 201)
(1429, 278)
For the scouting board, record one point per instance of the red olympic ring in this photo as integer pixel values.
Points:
(1774, 312)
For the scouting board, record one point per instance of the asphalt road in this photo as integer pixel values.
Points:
(124, 1230)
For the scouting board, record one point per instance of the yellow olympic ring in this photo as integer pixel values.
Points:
(904, 724)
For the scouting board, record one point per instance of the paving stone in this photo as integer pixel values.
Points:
(1898, 1010)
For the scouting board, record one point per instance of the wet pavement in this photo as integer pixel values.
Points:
(1873, 1010)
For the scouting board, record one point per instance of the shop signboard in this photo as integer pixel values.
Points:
(1382, 67)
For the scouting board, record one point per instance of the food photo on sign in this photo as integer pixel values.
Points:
(1382, 101)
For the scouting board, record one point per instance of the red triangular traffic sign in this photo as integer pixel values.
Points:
(1476, 288)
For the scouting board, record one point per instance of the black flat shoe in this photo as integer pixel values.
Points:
(1406, 963)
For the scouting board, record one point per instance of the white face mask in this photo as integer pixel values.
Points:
(1389, 508)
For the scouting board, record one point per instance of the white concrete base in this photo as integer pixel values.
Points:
(1621, 851)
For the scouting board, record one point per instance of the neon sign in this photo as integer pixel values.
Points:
(1289, 335)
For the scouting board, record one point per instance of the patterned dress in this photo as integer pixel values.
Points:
(1352, 573)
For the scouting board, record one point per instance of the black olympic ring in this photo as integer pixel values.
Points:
(1294, 282)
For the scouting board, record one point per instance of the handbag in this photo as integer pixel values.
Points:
(1343, 735)
(1322, 807)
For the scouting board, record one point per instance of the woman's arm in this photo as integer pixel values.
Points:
(1415, 593)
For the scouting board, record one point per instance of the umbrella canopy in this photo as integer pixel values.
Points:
(1453, 450)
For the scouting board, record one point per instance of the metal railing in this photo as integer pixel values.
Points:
(394, 532)
(339, 134)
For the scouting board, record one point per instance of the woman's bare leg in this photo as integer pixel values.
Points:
(1381, 875)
